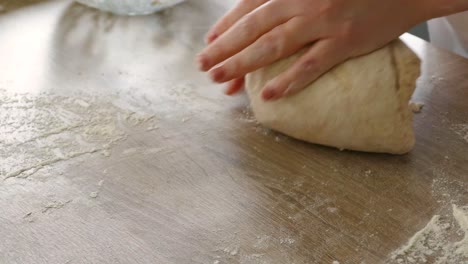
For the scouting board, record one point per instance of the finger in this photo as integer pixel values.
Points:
(245, 32)
(282, 41)
(235, 86)
(241, 9)
(320, 58)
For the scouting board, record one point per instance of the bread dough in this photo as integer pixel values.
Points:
(362, 104)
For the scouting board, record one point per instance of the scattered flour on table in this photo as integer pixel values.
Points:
(43, 130)
(152, 128)
(442, 240)
(247, 116)
(54, 205)
(461, 130)
(232, 250)
(287, 241)
(95, 194)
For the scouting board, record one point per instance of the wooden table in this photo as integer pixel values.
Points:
(194, 179)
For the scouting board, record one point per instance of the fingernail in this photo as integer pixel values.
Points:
(269, 94)
(203, 62)
(230, 92)
(210, 38)
(217, 74)
(235, 86)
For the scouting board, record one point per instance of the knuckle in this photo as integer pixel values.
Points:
(235, 65)
(350, 35)
(216, 52)
(247, 25)
(274, 44)
(348, 30)
(326, 8)
(255, 2)
(309, 65)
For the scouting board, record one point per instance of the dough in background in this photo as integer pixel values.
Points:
(362, 104)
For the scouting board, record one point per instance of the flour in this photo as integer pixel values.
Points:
(416, 107)
(131, 7)
(263, 242)
(247, 116)
(442, 240)
(461, 216)
(106, 153)
(41, 131)
(152, 128)
(287, 241)
(232, 250)
(44, 163)
(461, 130)
(54, 205)
(95, 194)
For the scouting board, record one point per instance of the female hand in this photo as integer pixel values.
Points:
(256, 33)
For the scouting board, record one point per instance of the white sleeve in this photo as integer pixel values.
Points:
(450, 33)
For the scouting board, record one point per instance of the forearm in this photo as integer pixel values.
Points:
(440, 8)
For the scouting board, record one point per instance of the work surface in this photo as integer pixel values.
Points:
(114, 149)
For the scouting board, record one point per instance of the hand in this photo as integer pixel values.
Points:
(256, 33)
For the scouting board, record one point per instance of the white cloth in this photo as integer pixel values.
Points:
(450, 33)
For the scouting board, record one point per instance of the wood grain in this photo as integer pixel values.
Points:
(220, 189)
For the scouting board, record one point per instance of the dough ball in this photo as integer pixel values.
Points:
(362, 104)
